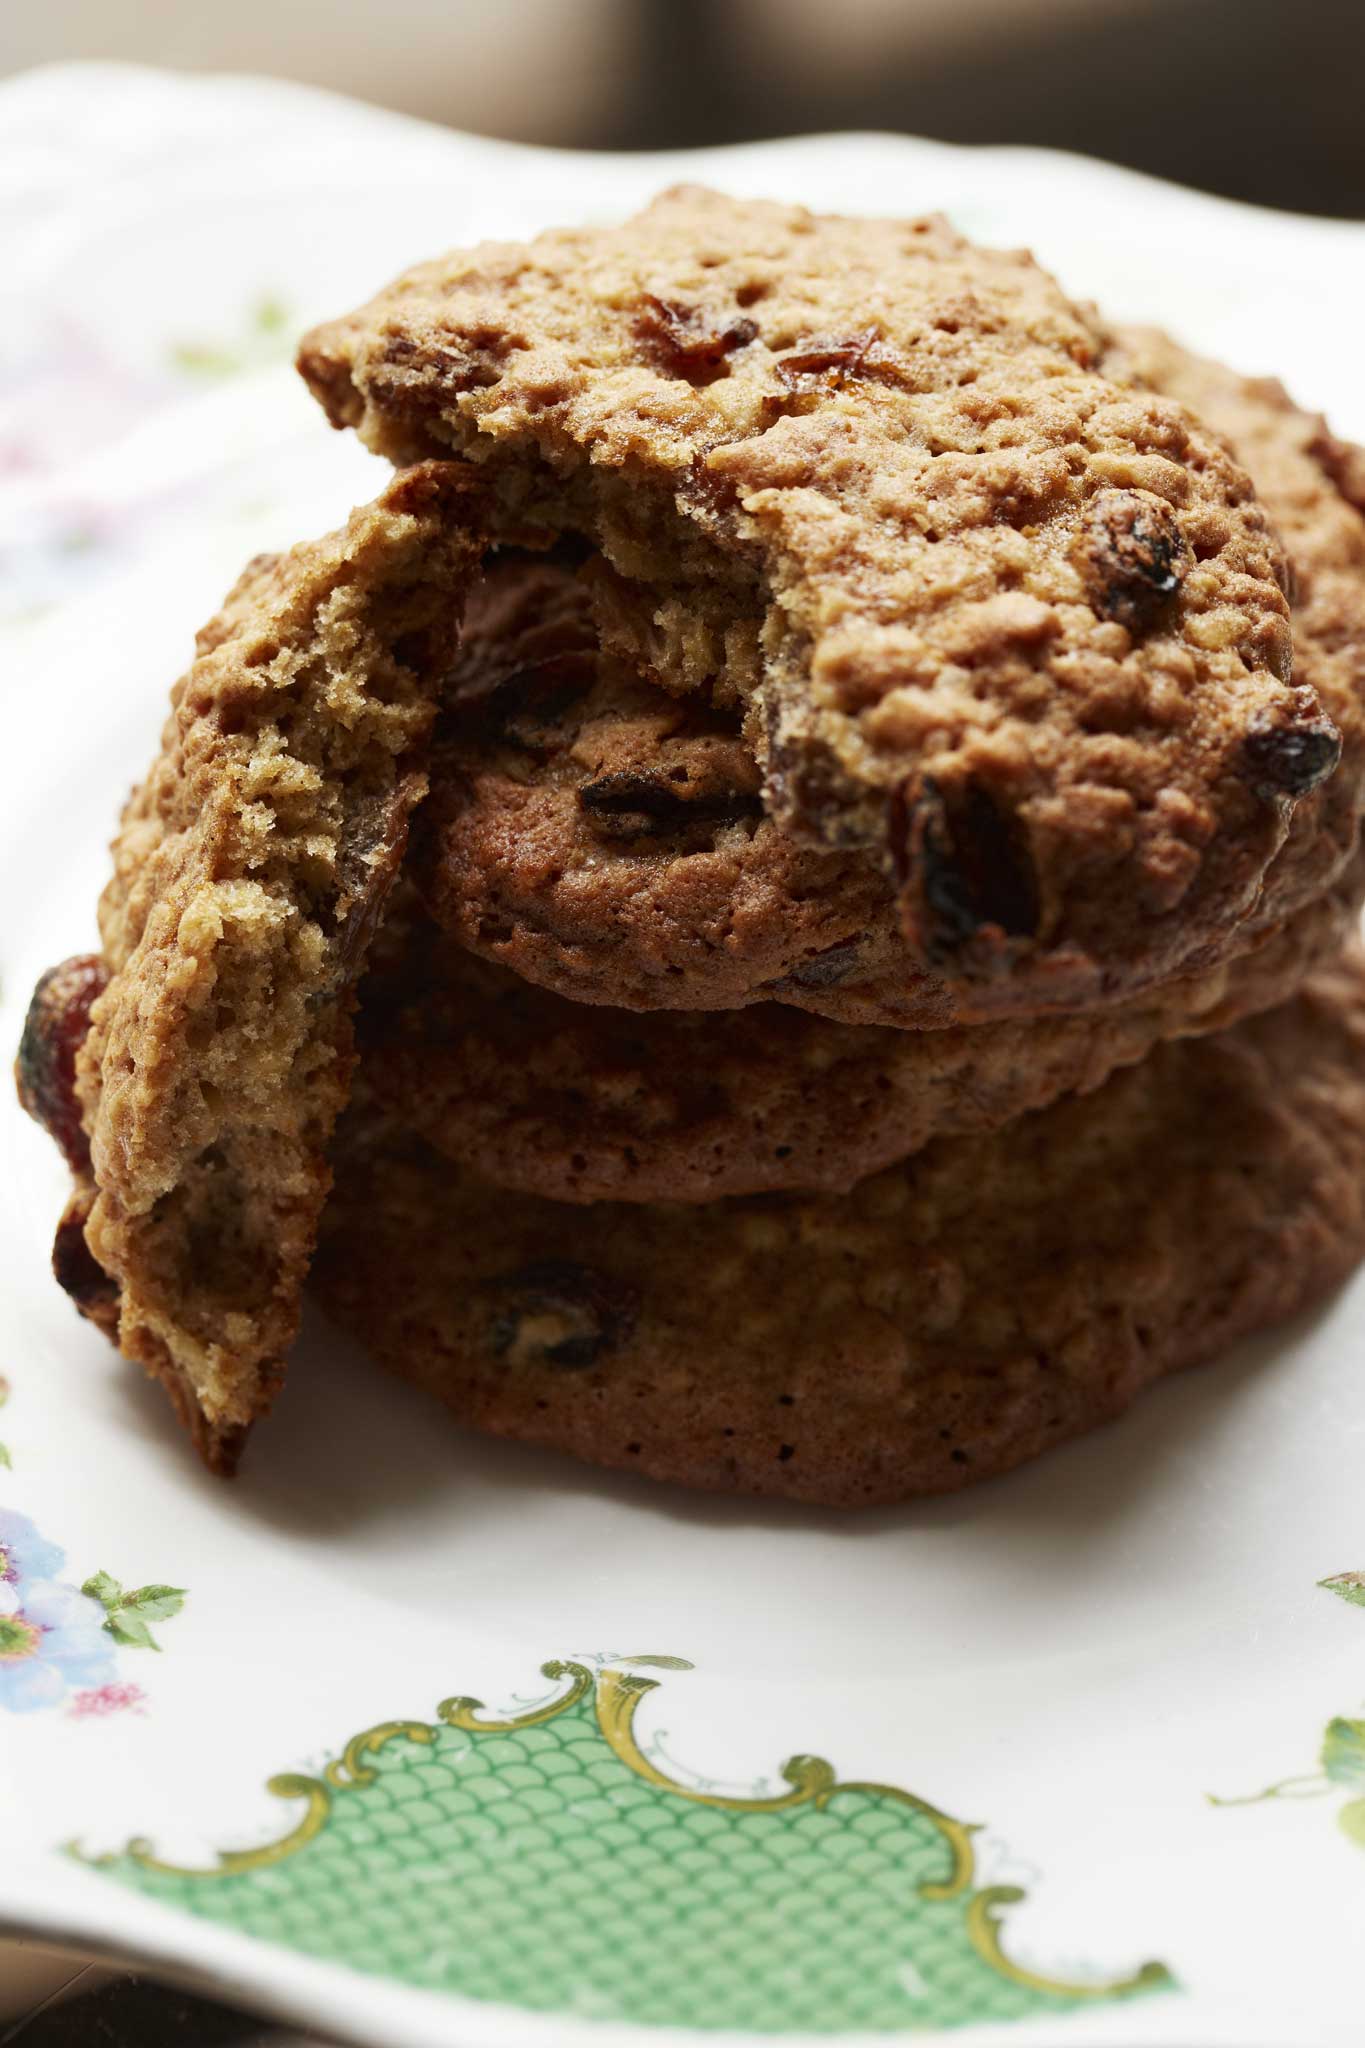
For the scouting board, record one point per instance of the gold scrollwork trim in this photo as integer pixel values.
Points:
(349, 1771)
(619, 1694)
(983, 1928)
(233, 1862)
(463, 1712)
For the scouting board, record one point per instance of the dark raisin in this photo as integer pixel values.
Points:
(530, 709)
(822, 970)
(556, 1312)
(371, 853)
(708, 494)
(805, 783)
(1288, 756)
(568, 550)
(54, 1031)
(78, 1272)
(528, 614)
(417, 650)
(827, 362)
(624, 805)
(1133, 556)
(689, 342)
(426, 377)
(964, 867)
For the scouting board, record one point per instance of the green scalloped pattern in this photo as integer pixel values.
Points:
(546, 1862)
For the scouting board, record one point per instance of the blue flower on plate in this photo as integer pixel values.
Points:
(51, 1636)
(24, 1554)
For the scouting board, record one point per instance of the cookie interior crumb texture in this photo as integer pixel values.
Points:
(250, 871)
(997, 613)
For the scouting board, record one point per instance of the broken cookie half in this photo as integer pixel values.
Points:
(194, 1071)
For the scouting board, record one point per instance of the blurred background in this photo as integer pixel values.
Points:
(1258, 99)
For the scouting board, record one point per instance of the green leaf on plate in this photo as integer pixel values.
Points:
(154, 1603)
(661, 1663)
(132, 1630)
(5, 1458)
(1352, 1819)
(128, 1613)
(1348, 1586)
(1343, 1752)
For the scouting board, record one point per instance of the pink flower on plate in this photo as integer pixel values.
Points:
(104, 1700)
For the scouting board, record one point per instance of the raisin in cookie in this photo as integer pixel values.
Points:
(1014, 625)
(947, 1320)
(250, 871)
(591, 1104)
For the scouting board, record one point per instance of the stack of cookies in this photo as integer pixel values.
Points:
(813, 832)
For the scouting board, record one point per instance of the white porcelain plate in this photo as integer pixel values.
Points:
(989, 1763)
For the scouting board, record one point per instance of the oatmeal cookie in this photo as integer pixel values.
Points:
(1014, 625)
(589, 1104)
(947, 1320)
(250, 871)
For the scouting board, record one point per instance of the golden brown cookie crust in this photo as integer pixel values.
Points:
(589, 1104)
(946, 1321)
(1013, 624)
(250, 870)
